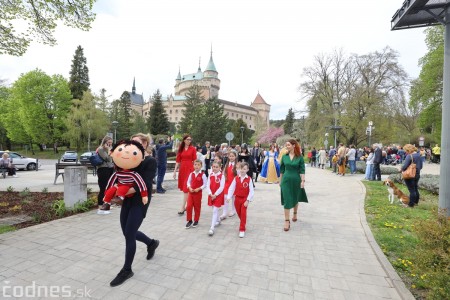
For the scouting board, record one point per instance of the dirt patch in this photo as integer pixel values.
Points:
(36, 207)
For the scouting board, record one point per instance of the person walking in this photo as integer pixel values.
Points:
(331, 153)
(341, 160)
(241, 189)
(215, 188)
(377, 160)
(256, 155)
(292, 181)
(412, 156)
(106, 169)
(161, 159)
(270, 172)
(186, 156)
(133, 212)
(196, 182)
(313, 157)
(229, 171)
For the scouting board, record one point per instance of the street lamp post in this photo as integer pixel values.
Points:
(336, 104)
(115, 123)
(369, 131)
(242, 135)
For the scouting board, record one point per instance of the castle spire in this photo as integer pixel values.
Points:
(133, 90)
(211, 66)
(179, 73)
(199, 61)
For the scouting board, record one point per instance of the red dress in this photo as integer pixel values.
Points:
(186, 161)
(229, 178)
(214, 186)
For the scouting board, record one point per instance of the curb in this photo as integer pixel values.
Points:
(396, 281)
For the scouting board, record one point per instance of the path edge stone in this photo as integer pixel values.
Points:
(396, 281)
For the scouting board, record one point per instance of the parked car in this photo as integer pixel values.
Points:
(84, 158)
(21, 162)
(69, 156)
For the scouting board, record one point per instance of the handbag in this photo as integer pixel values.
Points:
(96, 160)
(410, 172)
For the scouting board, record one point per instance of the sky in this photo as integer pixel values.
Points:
(258, 45)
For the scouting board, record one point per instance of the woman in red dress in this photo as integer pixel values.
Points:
(185, 164)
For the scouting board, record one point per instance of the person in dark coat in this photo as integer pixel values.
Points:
(256, 155)
(161, 159)
(378, 158)
(412, 156)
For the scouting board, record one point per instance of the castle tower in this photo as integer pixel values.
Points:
(263, 110)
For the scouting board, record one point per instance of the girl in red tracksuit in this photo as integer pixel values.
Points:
(242, 189)
(229, 171)
(215, 187)
(196, 182)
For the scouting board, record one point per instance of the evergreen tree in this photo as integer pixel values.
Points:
(121, 112)
(213, 124)
(192, 112)
(289, 122)
(139, 123)
(158, 121)
(79, 74)
(101, 102)
(241, 135)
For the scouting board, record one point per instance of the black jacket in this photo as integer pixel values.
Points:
(378, 156)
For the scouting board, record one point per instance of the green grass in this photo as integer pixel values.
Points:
(414, 240)
(6, 228)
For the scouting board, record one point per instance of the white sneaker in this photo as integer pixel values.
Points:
(222, 217)
(15, 176)
(241, 234)
(103, 212)
(211, 232)
(217, 223)
(231, 215)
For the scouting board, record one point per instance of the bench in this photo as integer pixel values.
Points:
(170, 165)
(60, 166)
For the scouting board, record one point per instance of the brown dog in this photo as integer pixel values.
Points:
(393, 190)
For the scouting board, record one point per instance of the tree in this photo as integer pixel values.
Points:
(192, 111)
(367, 87)
(85, 123)
(101, 102)
(79, 74)
(271, 135)
(426, 91)
(289, 122)
(38, 106)
(5, 142)
(213, 123)
(139, 123)
(158, 121)
(42, 17)
(121, 112)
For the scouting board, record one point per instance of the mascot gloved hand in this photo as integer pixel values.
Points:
(127, 155)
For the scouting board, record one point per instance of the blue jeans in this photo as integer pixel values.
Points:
(369, 171)
(352, 164)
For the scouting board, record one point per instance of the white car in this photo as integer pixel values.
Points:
(22, 162)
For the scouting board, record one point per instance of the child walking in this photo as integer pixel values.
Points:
(215, 187)
(229, 171)
(242, 188)
(196, 183)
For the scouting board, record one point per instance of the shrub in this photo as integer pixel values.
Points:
(45, 190)
(385, 170)
(10, 189)
(25, 192)
(427, 182)
(59, 207)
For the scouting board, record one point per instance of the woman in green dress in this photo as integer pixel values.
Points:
(292, 181)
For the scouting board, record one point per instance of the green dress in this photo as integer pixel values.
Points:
(291, 193)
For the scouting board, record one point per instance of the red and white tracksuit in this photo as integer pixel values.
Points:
(242, 189)
(194, 200)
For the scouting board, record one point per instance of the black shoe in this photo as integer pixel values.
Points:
(151, 249)
(188, 224)
(164, 190)
(160, 191)
(195, 224)
(121, 277)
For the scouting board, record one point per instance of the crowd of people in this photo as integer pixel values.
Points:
(227, 174)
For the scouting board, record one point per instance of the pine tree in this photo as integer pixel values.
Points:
(79, 74)
(289, 122)
(101, 102)
(213, 124)
(121, 112)
(158, 121)
(192, 112)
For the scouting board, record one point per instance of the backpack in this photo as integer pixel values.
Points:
(96, 160)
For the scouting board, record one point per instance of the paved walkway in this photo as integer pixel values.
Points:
(328, 254)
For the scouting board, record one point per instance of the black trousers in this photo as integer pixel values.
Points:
(413, 189)
(376, 172)
(103, 175)
(131, 217)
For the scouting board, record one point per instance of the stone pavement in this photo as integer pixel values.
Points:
(328, 254)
